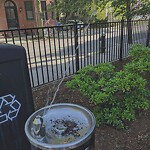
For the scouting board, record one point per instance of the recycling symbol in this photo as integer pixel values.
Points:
(9, 108)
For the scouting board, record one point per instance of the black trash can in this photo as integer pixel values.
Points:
(16, 103)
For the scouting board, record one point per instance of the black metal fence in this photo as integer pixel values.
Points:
(55, 51)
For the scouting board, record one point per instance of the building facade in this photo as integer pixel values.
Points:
(23, 13)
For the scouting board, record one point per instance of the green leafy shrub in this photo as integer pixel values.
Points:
(116, 95)
(140, 56)
(91, 79)
(138, 52)
(141, 66)
(125, 93)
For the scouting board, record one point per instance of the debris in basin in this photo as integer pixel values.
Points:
(69, 127)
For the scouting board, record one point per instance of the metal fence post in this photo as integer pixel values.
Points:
(76, 46)
(148, 34)
(103, 42)
(121, 39)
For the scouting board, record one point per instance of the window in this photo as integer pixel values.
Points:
(10, 12)
(9, 4)
(29, 10)
(43, 9)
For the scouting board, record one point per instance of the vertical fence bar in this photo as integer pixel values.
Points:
(5, 36)
(109, 46)
(29, 59)
(34, 54)
(90, 45)
(103, 42)
(125, 44)
(59, 51)
(40, 52)
(50, 51)
(81, 48)
(113, 42)
(63, 44)
(20, 37)
(12, 34)
(136, 30)
(121, 39)
(87, 33)
(140, 29)
(45, 54)
(118, 33)
(68, 49)
(99, 42)
(84, 49)
(76, 46)
(72, 51)
(148, 34)
(96, 50)
(115, 39)
(112, 37)
(55, 52)
(93, 44)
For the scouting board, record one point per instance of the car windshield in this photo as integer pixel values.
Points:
(73, 21)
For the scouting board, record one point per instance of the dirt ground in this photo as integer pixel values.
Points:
(136, 137)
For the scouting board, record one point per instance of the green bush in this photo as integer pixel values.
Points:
(91, 79)
(124, 94)
(141, 66)
(138, 52)
(116, 95)
(140, 57)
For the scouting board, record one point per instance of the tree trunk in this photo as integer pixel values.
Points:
(39, 12)
(39, 18)
(129, 24)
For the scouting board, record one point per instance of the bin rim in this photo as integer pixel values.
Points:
(70, 145)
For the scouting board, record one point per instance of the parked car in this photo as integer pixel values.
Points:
(80, 24)
(69, 25)
(141, 17)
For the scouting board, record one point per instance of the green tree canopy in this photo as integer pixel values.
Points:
(130, 8)
(84, 9)
(81, 9)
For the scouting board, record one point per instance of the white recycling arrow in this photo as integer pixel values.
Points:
(9, 108)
